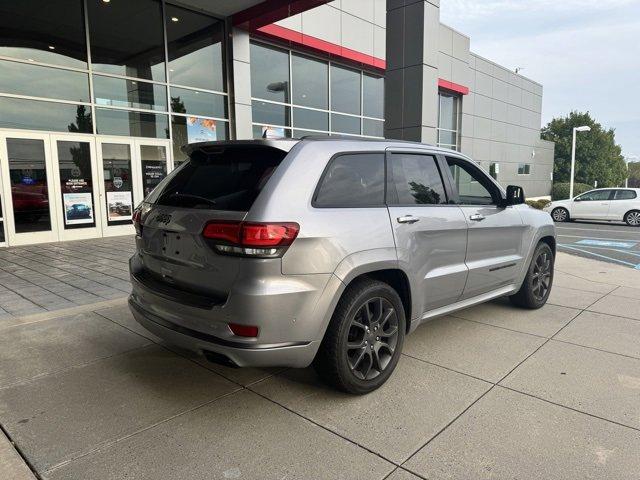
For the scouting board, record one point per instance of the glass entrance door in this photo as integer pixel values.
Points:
(75, 174)
(154, 163)
(118, 179)
(3, 235)
(27, 173)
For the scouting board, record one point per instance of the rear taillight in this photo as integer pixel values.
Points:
(251, 239)
(137, 221)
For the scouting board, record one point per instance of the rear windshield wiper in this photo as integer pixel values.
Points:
(197, 198)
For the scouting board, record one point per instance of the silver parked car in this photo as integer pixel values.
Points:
(328, 251)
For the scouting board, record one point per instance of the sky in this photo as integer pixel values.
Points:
(585, 53)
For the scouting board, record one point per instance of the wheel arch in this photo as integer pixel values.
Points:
(624, 217)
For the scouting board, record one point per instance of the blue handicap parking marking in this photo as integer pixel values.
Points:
(606, 243)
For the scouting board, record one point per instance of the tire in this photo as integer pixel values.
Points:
(363, 342)
(632, 218)
(535, 289)
(560, 214)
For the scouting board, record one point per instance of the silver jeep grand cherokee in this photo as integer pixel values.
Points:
(328, 251)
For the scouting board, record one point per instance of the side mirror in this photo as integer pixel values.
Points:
(515, 195)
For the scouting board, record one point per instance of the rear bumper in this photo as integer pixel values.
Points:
(292, 354)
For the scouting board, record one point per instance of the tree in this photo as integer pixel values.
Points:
(634, 174)
(598, 158)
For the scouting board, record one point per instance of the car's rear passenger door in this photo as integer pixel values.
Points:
(430, 233)
(495, 247)
(623, 201)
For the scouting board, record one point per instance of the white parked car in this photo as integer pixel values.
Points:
(608, 204)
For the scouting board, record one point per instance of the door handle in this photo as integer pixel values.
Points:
(476, 217)
(408, 219)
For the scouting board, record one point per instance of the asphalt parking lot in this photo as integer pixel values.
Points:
(491, 392)
(610, 242)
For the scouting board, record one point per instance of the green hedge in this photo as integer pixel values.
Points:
(539, 204)
(560, 191)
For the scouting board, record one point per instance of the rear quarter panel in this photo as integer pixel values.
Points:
(328, 236)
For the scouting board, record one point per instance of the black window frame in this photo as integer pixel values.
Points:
(393, 200)
(491, 185)
(327, 168)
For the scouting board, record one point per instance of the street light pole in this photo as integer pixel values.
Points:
(573, 155)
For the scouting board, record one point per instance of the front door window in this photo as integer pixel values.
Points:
(76, 184)
(28, 179)
(118, 183)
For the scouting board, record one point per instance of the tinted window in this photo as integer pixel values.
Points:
(198, 103)
(595, 196)
(116, 92)
(133, 124)
(269, 73)
(127, 38)
(474, 188)
(345, 90)
(44, 31)
(353, 180)
(373, 93)
(230, 180)
(37, 81)
(195, 49)
(345, 124)
(38, 115)
(625, 195)
(310, 82)
(417, 180)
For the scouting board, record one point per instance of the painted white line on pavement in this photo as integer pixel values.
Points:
(634, 265)
(594, 229)
(596, 238)
(637, 254)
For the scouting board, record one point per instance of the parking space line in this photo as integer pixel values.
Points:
(627, 252)
(592, 229)
(634, 265)
(597, 238)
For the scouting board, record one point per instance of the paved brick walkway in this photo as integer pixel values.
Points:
(56, 276)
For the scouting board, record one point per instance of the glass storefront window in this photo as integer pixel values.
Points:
(312, 119)
(269, 73)
(44, 31)
(310, 80)
(345, 90)
(76, 184)
(39, 115)
(29, 188)
(37, 81)
(132, 124)
(117, 92)
(127, 38)
(373, 96)
(187, 130)
(345, 124)
(195, 49)
(270, 113)
(372, 128)
(196, 102)
(154, 166)
(448, 120)
(118, 184)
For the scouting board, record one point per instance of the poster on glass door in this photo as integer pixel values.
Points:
(78, 208)
(119, 206)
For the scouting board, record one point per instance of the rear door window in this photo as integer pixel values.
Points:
(625, 195)
(352, 180)
(229, 179)
(416, 180)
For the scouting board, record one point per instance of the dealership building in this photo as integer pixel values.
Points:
(98, 96)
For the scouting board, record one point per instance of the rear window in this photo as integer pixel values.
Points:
(625, 195)
(353, 180)
(230, 179)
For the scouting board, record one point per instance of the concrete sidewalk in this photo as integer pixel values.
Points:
(491, 392)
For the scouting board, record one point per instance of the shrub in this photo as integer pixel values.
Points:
(539, 204)
(560, 191)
